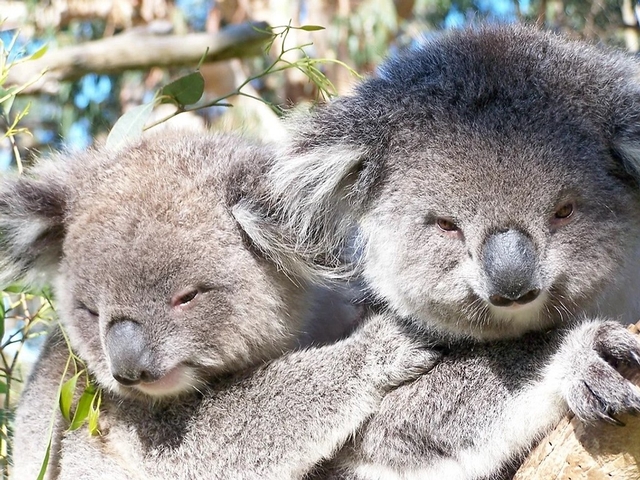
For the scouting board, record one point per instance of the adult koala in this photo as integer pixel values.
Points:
(179, 321)
(492, 176)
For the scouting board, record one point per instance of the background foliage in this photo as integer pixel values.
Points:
(42, 109)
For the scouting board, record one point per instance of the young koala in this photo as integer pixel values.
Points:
(492, 178)
(180, 322)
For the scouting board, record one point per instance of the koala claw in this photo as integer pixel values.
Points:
(614, 421)
(599, 390)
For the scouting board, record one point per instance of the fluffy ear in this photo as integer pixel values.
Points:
(318, 186)
(32, 212)
(625, 133)
(315, 194)
(626, 148)
(269, 239)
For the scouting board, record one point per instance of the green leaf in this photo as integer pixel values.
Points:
(66, 396)
(311, 28)
(14, 289)
(185, 90)
(8, 97)
(39, 52)
(129, 126)
(45, 460)
(3, 387)
(7, 104)
(94, 414)
(82, 410)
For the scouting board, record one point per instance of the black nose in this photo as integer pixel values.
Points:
(510, 264)
(130, 357)
(124, 380)
(500, 301)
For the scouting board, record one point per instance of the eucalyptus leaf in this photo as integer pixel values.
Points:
(15, 288)
(6, 105)
(129, 126)
(94, 414)
(39, 52)
(185, 90)
(83, 408)
(311, 28)
(45, 460)
(6, 93)
(66, 396)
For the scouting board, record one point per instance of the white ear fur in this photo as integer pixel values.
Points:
(267, 240)
(21, 236)
(629, 150)
(271, 240)
(311, 198)
(31, 225)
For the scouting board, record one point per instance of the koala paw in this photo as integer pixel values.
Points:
(601, 354)
(395, 354)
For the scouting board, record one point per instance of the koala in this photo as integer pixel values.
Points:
(485, 187)
(185, 327)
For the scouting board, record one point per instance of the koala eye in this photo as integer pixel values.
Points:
(446, 225)
(185, 297)
(562, 216)
(90, 311)
(565, 211)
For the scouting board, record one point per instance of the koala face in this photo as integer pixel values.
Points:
(491, 175)
(155, 283)
(497, 234)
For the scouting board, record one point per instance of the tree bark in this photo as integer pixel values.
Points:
(576, 451)
(137, 50)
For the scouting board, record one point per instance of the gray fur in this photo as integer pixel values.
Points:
(181, 322)
(491, 177)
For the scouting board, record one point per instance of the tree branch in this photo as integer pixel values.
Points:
(576, 451)
(138, 50)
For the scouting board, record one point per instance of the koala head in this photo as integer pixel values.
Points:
(155, 280)
(491, 175)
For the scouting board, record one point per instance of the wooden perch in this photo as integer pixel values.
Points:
(575, 451)
(138, 50)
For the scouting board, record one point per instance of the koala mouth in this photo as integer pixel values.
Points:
(503, 301)
(521, 313)
(177, 380)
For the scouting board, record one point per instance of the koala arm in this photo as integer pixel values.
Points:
(581, 377)
(484, 406)
(288, 416)
(277, 422)
(37, 412)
